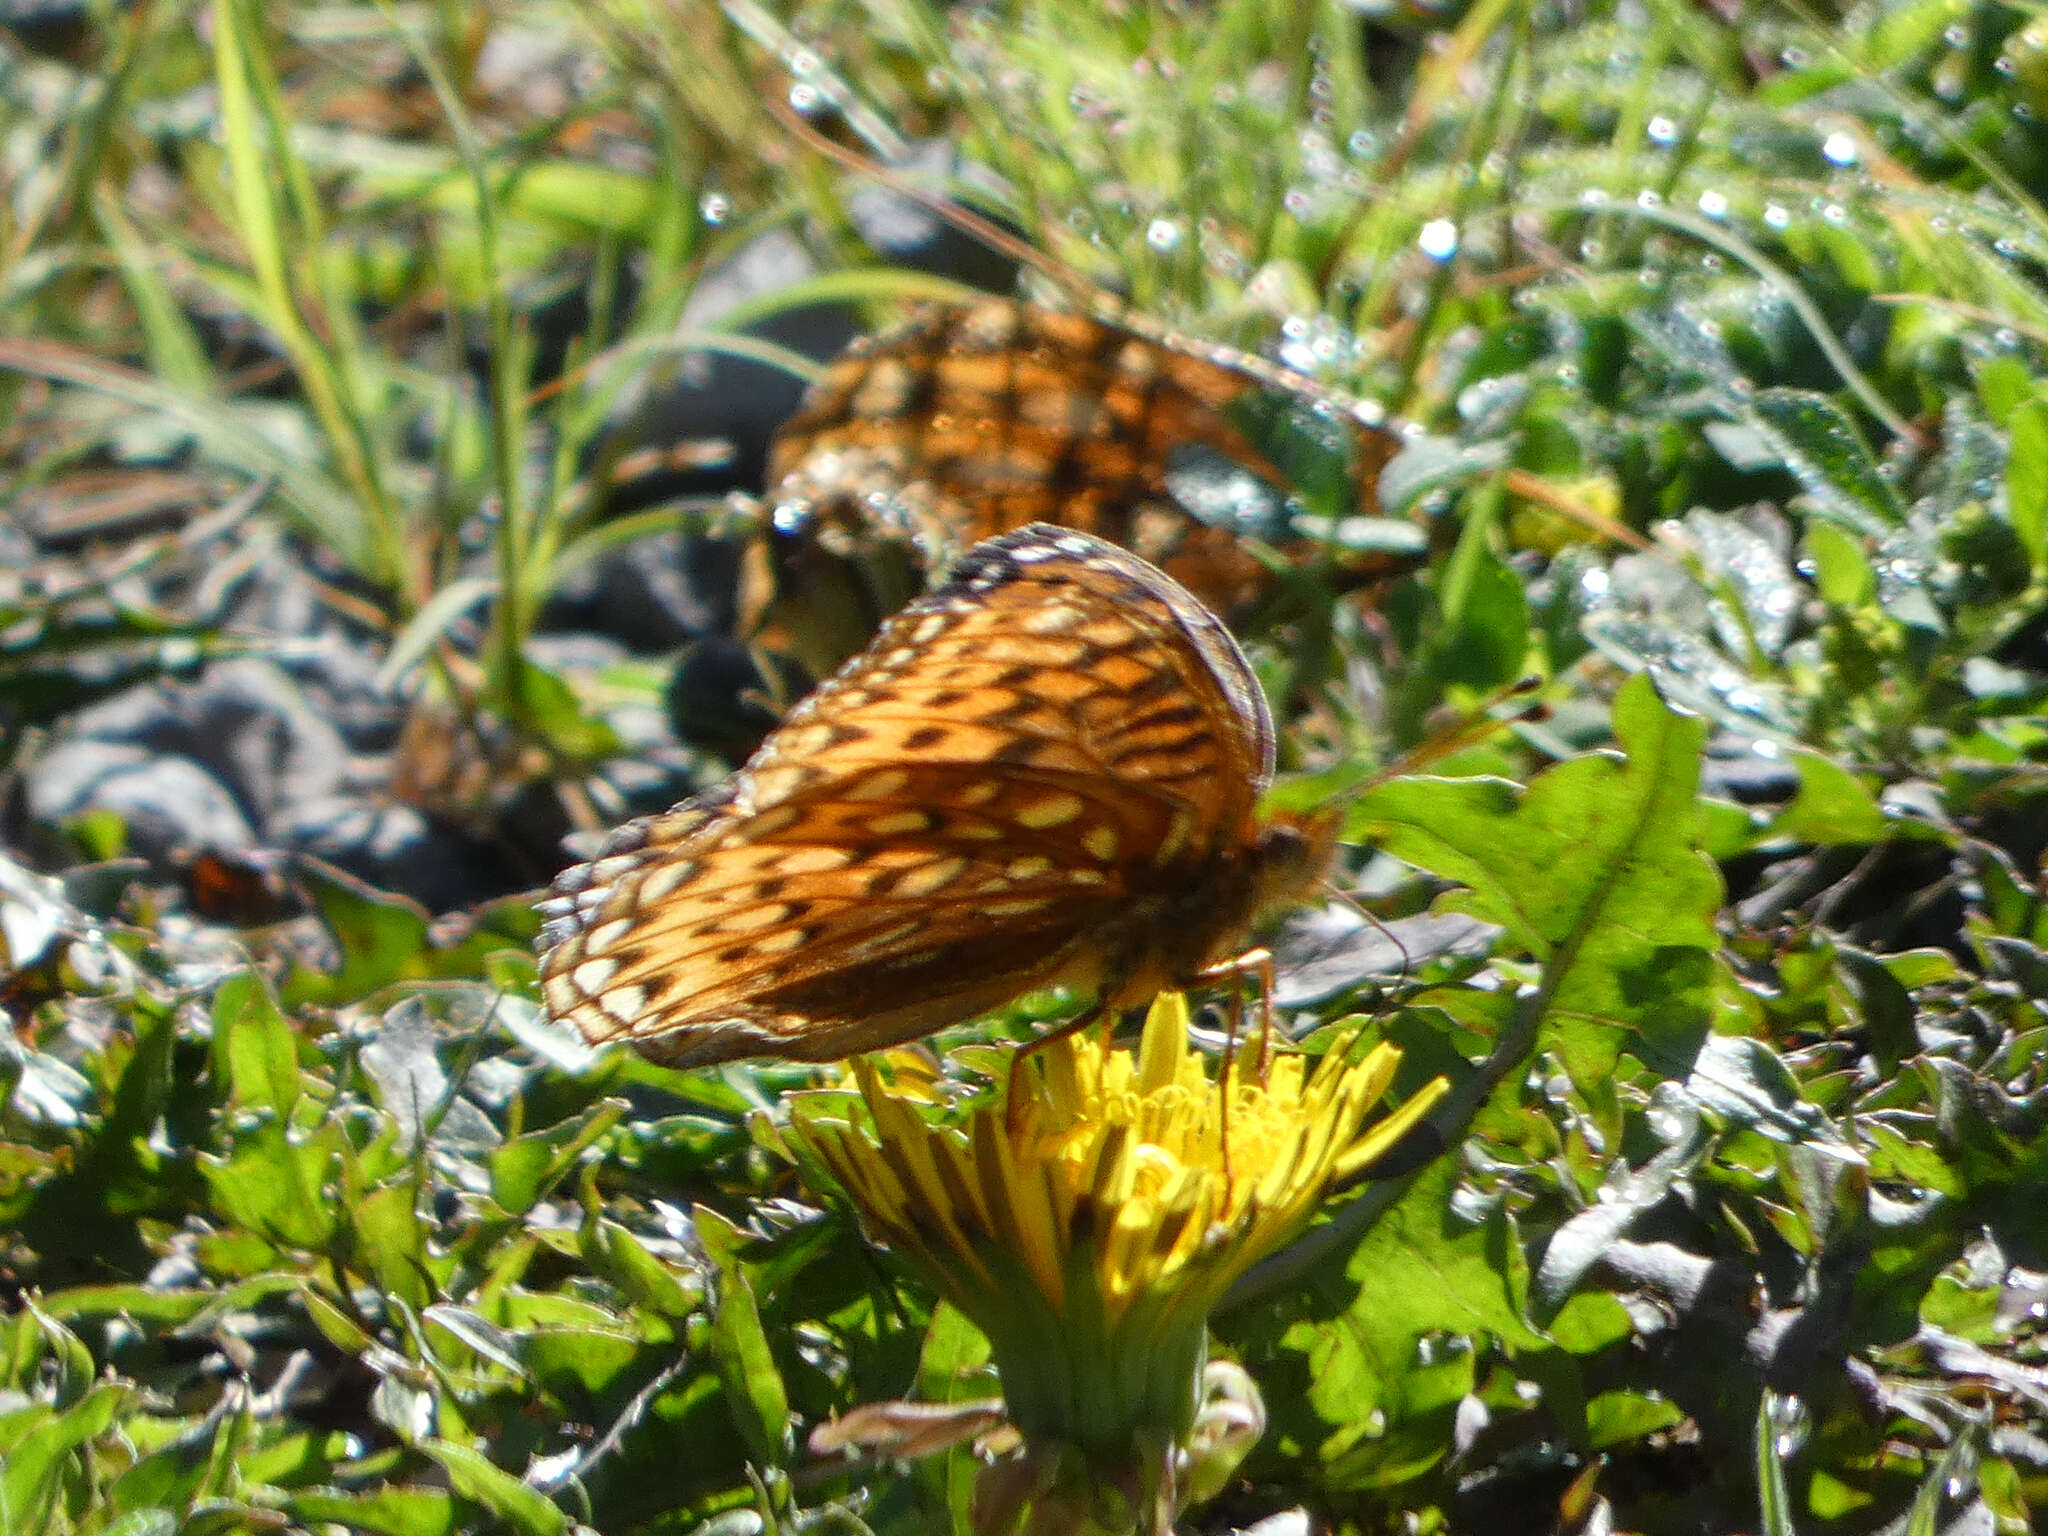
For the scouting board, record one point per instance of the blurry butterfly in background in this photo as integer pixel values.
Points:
(1045, 772)
(973, 419)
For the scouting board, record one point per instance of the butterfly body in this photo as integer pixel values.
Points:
(1045, 772)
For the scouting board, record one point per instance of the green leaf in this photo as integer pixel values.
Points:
(1772, 1492)
(746, 1366)
(33, 1472)
(2026, 480)
(1594, 871)
(526, 1167)
(1824, 450)
(1833, 805)
(474, 1478)
(1614, 1418)
(1578, 1244)
(386, 1511)
(254, 1048)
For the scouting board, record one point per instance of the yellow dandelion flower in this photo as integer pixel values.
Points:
(1089, 1227)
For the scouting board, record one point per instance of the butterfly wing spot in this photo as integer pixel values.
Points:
(777, 819)
(771, 786)
(887, 389)
(924, 738)
(896, 823)
(929, 628)
(1048, 811)
(622, 1004)
(928, 879)
(1101, 842)
(590, 977)
(605, 935)
(1016, 906)
(815, 859)
(1028, 868)
(664, 880)
(783, 942)
(1056, 619)
(883, 785)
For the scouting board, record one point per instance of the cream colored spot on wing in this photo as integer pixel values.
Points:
(778, 819)
(1020, 906)
(898, 822)
(803, 740)
(1028, 868)
(589, 977)
(885, 390)
(814, 860)
(1054, 810)
(1110, 634)
(926, 879)
(776, 944)
(930, 627)
(662, 880)
(1100, 841)
(772, 785)
(747, 919)
(1053, 619)
(978, 794)
(605, 935)
(625, 1004)
(879, 786)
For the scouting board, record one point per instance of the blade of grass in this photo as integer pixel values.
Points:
(263, 238)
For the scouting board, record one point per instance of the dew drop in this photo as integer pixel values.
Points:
(1662, 130)
(1163, 235)
(715, 207)
(1438, 240)
(1838, 148)
(805, 98)
(1713, 204)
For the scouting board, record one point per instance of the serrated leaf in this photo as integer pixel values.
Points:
(1594, 871)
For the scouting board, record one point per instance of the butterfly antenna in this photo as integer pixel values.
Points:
(1345, 898)
(968, 222)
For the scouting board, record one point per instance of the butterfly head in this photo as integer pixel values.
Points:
(1295, 854)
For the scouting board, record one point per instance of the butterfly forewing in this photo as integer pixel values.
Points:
(990, 799)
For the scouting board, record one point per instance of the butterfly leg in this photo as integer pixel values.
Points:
(1031, 1047)
(1253, 962)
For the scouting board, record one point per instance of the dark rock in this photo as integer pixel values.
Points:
(718, 701)
(244, 720)
(167, 802)
(397, 848)
(1733, 770)
(654, 594)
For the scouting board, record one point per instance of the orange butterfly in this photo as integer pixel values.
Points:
(970, 420)
(1045, 772)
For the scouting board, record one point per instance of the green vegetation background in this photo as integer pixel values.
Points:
(1748, 1224)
